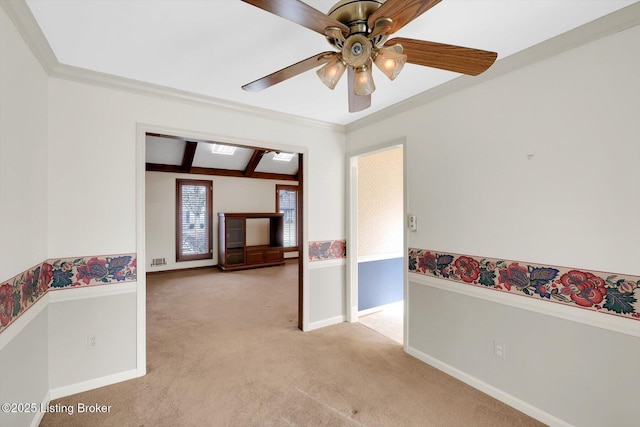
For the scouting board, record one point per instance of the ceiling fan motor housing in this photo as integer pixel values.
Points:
(357, 50)
(358, 47)
(354, 13)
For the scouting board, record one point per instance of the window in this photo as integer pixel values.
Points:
(193, 219)
(287, 203)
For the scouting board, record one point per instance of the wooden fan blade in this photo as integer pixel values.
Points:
(463, 60)
(288, 72)
(356, 102)
(300, 13)
(401, 12)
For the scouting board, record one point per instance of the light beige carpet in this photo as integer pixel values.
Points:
(223, 350)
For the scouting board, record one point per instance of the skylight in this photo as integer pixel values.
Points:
(283, 157)
(226, 150)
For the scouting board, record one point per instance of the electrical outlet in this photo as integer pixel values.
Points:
(500, 350)
(92, 343)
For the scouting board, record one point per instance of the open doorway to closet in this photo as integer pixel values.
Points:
(377, 230)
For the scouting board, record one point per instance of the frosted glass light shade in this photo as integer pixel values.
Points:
(331, 72)
(363, 82)
(390, 61)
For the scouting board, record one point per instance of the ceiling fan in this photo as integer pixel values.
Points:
(359, 29)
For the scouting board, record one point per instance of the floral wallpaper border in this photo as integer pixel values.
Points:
(22, 291)
(610, 293)
(327, 249)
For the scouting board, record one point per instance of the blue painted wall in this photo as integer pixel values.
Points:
(379, 283)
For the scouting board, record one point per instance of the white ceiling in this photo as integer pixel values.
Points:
(213, 47)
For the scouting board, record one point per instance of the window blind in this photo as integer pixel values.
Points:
(194, 219)
(288, 205)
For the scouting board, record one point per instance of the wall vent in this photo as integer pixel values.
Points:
(158, 261)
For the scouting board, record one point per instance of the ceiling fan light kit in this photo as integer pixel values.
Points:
(359, 30)
(390, 60)
(363, 82)
(332, 71)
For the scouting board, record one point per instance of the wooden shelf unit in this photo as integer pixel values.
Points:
(233, 252)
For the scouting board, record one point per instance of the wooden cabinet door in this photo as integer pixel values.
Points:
(255, 256)
(273, 255)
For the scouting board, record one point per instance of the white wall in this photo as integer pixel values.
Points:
(92, 154)
(575, 203)
(23, 216)
(97, 125)
(476, 191)
(75, 320)
(23, 154)
(229, 195)
(580, 374)
(24, 367)
(327, 291)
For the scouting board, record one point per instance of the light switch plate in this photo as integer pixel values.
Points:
(413, 223)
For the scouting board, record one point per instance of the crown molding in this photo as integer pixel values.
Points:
(19, 12)
(607, 25)
(96, 78)
(28, 27)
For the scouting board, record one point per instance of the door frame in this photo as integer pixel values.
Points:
(303, 253)
(352, 228)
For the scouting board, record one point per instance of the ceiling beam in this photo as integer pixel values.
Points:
(253, 162)
(154, 167)
(189, 154)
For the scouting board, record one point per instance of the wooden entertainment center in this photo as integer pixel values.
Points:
(233, 252)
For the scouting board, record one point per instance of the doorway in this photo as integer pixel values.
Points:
(377, 255)
(263, 148)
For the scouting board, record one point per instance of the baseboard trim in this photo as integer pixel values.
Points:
(68, 390)
(371, 310)
(492, 391)
(377, 308)
(174, 270)
(326, 322)
(35, 422)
